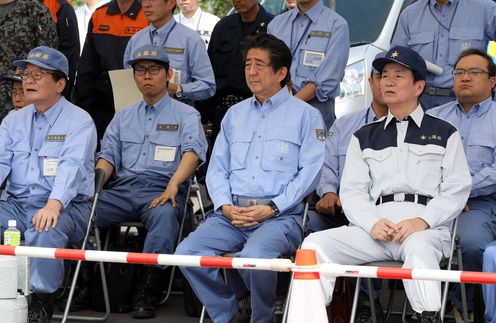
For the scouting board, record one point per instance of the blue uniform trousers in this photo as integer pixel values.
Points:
(489, 291)
(46, 274)
(217, 236)
(476, 232)
(129, 199)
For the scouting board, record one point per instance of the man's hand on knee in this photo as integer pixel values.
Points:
(383, 230)
(169, 194)
(48, 216)
(328, 204)
(406, 227)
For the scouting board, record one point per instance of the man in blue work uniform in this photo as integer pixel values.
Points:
(259, 173)
(151, 148)
(474, 114)
(319, 41)
(404, 181)
(439, 30)
(193, 78)
(47, 152)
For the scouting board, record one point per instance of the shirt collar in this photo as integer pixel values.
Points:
(132, 12)
(160, 104)
(52, 114)
(450, 2)
(417, 115)
(194, 18)
(164, 30)
(274, 101)
(313, 13)
(479, 109)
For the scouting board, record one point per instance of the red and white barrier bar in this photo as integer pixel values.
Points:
(455, 276)
(148, 258)
(251, 263)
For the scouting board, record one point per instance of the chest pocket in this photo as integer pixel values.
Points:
(309, 61)
(20, 148)
(423, 43)
(132, 142)
(378, 162)
(168, 139)
(51, 149)
(425, 165)
(480, 151)
(463, 38)
(281, 150)
(240, 143)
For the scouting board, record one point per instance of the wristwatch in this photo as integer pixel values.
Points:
(275, 209)
(179, 91)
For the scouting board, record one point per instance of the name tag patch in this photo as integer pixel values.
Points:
(312, 58)
(165, 154)
(172, 50)
(50, 167)
(167, 127)
(320, 33)
(55, 138)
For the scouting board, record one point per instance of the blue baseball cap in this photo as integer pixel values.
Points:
(149, 53)
(404, 56)
(45, 57)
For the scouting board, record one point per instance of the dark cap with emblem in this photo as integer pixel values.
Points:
(45, 57)
(404, 56)
(149, 53)
(12, 77)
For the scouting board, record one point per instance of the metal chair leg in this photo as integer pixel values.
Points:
(372, 301)
(355, 301)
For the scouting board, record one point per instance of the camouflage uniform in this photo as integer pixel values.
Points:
(27, 25)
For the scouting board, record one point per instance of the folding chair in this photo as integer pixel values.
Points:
(308, 200)
(136, 224)
(444, 263)
(99, 181)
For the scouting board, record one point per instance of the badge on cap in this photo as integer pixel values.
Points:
(395, 54)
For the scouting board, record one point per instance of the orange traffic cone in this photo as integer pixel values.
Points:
(307, 302)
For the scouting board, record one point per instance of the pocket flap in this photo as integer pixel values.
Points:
(286, 134)
(421, 38)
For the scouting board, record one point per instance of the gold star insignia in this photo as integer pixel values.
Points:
(422, 137)
(394, 54)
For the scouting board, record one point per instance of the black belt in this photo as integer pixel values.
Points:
(439, 91)
(402, 197)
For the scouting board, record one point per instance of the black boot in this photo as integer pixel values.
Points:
(145, 298)
(425, 317)
(364, 313)
(40, 308)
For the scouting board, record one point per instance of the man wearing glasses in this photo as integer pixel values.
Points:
(150, 149)
(17, 94)
(47, 152)
(474, 114)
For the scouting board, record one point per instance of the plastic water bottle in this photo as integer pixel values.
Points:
(12, 236)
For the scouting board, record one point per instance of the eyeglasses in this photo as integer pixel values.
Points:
(35, 74)
(153, 70)
(459, 72)
(15, 93)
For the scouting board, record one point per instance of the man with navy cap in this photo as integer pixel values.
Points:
(404, 181)
(47, 152)
(17, 94)
(150, 149)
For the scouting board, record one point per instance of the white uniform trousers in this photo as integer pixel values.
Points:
(352, 245)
